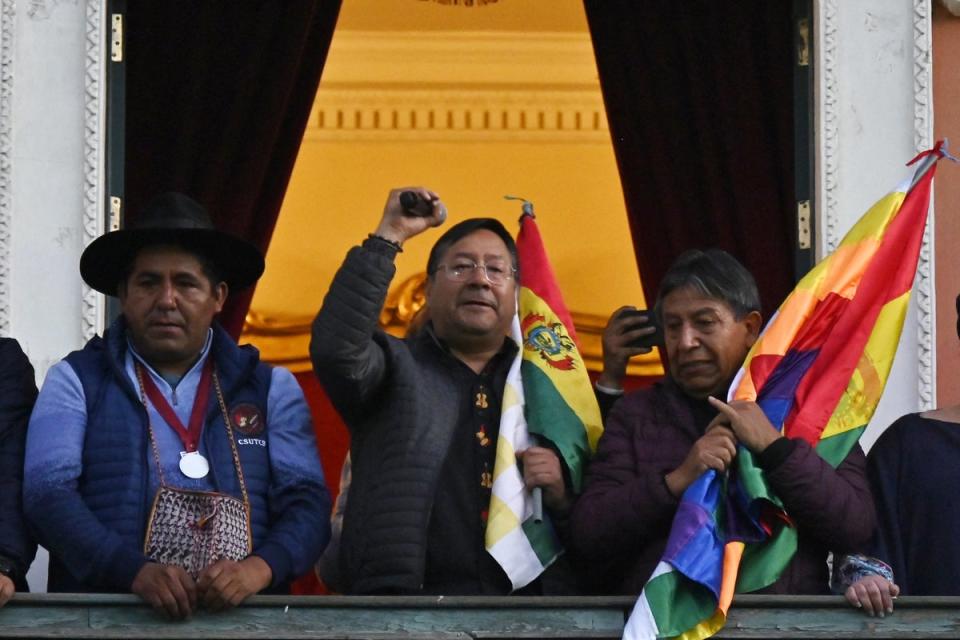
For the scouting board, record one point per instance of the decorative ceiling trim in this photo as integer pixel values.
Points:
(464, 3)
(470, 87)
(457, 114)
(461, 58)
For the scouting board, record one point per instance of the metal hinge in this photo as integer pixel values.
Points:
(115, 205)
(803, 224)
(116, 37)
(803, 42)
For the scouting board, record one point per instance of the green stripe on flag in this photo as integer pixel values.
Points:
(548, 412)
(763, 562)
(543, 540)
(678, 604)
(752, 479)
(835, 448)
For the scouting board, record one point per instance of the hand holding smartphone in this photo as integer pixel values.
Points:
(414, 205)
(636, 319)
(629, 332)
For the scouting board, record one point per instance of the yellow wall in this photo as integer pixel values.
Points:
(505, 100)
(423, 15)
(337, 194)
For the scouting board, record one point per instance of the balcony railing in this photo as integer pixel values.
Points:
(125, 616)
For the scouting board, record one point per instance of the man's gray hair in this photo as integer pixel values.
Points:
(715, 274)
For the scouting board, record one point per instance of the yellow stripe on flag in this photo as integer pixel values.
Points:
(506, 459)
(501, 521)
(705, 629)
(554, 353)
(873, 223)
(860, 399)
(732, 554)
(838, 275)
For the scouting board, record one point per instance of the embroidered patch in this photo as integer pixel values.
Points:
(551, 341)
(247, 419)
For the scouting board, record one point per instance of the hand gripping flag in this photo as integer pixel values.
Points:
(548, 396)
(817, 371)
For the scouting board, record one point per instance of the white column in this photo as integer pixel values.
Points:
(874, 112)
(50, 177)
(53, 175)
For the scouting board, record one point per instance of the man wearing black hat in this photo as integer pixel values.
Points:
(163, 459)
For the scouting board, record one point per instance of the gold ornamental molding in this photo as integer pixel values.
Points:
(391, 113)
(469, 86)
(285, 341)
(464, 3)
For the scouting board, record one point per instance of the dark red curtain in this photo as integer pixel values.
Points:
(699, 99)
(217, 98)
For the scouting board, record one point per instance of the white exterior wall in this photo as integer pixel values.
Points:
(51, 187)
(50, 172)
(50, 178)
(874, 111)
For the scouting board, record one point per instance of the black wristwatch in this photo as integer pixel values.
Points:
(8, 568)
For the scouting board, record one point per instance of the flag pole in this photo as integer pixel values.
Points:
(929, 158)
(536, 494)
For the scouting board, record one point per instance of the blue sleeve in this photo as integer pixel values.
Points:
(299, 499)
(53, 462)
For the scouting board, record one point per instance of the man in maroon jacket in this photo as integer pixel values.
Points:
(659, 440)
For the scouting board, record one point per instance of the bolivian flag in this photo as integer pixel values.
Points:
(817, 371)
(548, 398)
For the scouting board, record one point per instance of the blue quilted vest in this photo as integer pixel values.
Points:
(116, 452)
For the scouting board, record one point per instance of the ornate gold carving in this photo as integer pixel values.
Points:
(404, 302)
(283, 341)
(465, 3)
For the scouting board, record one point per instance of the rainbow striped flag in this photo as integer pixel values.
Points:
(817, 371)
(548, 395)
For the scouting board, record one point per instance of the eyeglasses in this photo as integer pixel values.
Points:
(462, 271)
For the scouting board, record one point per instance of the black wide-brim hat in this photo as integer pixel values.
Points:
(170, 219)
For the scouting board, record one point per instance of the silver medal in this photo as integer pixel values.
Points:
(193, 465)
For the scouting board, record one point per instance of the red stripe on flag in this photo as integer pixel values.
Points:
(889, 275)
(809, 337)
(537, 274)
(761, 366)
(818, 326)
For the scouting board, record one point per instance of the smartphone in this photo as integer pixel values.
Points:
(651, 340)
(414, 205)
